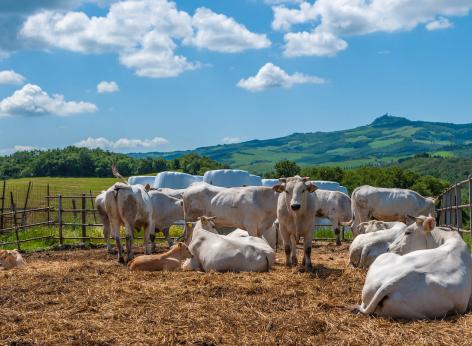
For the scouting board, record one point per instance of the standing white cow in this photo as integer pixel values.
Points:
(365, 248)
(236, 253)
(336, 206)
(131, 206)
(102, 213)
(430, 283)
(296, 208)
(252, 208)
(384, 204)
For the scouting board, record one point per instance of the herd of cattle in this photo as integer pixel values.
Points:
(416, 270)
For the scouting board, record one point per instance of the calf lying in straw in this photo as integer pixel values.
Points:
(169, 261)
(10, 259)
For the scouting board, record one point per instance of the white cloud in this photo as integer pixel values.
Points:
(439, 24)
(107, 87)
(317, 43)
(31, 100)
(144, 33)
(342, 18)
(11, 77)
(223, 34)
(280, 2)
(271, 76)
(121, 144)
(232, 140)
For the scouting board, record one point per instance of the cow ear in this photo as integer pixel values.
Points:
(311, 187)
(419, 220)
(279, 187)
(305, 179)
(429, 224)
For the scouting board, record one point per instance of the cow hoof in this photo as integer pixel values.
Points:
(121, 260)
(338, 242)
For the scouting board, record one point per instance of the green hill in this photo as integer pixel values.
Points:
(384, 141)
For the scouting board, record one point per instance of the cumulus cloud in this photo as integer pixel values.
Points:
(439, 24)
(11, 77)
(220, 33)
(8, 151)
(107, 87)
(337, 19)
(121, 144)
(31, 100)
(271, 76)
(232, 140)
(144, 33)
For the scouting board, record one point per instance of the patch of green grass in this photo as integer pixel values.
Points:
(384, 143)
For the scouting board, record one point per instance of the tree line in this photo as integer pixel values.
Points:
(83, 162)
(395, 176)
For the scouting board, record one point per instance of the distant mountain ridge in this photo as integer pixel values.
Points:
(387, 139)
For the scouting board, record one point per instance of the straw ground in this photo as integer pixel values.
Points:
(84, 297)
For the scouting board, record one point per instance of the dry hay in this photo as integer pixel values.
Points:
(84, 297)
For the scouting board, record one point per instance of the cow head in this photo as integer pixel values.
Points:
(207, 223)
(415, 237)
(182, 249)
(296, 190)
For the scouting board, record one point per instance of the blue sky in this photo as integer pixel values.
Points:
(197, 73)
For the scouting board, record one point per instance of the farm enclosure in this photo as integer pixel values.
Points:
(84, 297)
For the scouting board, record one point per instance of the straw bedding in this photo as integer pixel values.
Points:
(84, 297)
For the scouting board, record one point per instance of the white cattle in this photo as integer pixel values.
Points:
(176, 193)
(296, 208)
(252, 208)
(365, 248)
(336, 206)
(212, 251)
(388, 205)
(102, 213)
(129, 205)
(269, 235)
(429, 283)
(374, 226)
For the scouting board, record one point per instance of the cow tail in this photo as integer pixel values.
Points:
(268, 263)
(381, 294)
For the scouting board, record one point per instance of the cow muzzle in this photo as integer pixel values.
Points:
(295, 206)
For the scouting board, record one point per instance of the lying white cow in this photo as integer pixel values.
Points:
(365, 248)
(336, 206)
(429, 283)
(212, 251)
(388, 204)
(374, 226)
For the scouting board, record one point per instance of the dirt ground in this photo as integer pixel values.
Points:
(85, 297)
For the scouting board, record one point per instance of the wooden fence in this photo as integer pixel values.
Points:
(456, 205)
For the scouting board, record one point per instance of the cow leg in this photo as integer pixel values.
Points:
(293, 245)
(115, 230)
(286, 242)
(148, 230)
(337, 231)
(153, 242)
(307, 242)
(129, 241)
(169, 240)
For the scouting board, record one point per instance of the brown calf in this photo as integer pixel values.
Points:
(168, 261)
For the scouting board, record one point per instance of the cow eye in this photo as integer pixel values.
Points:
(407, 232)
(304, 190)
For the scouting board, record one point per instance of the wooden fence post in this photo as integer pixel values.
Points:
(23, 216)
(59, 218)
(93, 207)
(48, 198)
(84, 217)
(3, 204)
(15, 224)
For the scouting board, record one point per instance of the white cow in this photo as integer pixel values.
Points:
(212, 251)
(102, 213)
(388, 205)
(336, 206)
(430, 283)
(365, 248)
(129, 205)
(374, 226)
(296, 208)
(252, 208)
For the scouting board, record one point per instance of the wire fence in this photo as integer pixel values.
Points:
(455, 207)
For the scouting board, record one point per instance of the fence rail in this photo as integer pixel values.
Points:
(456, 206)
